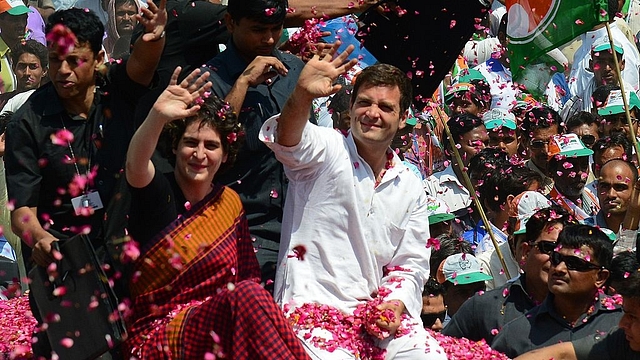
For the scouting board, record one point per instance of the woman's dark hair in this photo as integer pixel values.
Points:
(84, 24)
(262, 11)
(576, 236)
(546, 217)
(218, 115)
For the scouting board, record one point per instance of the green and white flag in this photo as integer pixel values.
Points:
(537, 26)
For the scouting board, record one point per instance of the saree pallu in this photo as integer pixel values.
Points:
(195, 291)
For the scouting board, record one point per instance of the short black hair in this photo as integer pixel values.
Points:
(432, 288)
(622, 266)
(340, 101)
(84, 24)
(459, 125)
(581, 118)
(546, 217)
(601, 93)
(510, 180)
(487, 161)
(576, 236)
(539, 117)
(262, 11)
(631, 287)
(31, 47)
(613, 140)
(449, 245)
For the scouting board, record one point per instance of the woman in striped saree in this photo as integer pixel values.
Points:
(195, 287)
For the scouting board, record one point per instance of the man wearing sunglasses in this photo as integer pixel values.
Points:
(575, 307)
(483, 316)
(621, 342)
(539, 124)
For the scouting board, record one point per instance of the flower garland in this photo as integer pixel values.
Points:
(347, 331)
(16, 328)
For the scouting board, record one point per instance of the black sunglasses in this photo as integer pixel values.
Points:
(573, 262)
(429, 319)
(588, 140)
(545, 247)
(538, 144)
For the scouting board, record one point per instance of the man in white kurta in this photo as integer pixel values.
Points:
(349, 228)
(581, 78)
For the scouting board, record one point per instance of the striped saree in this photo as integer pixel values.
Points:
(195, 291)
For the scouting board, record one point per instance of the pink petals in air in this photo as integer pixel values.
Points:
(61, 40)
(63, 137)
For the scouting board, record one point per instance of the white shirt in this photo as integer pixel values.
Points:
(504, 93)
(581, 80)
(446, 186)
(350, 229)
(486, 244)
(17, 101)
(491, 265)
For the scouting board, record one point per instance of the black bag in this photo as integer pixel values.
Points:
(77, 304)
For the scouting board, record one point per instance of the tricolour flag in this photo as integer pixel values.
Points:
(537, 26)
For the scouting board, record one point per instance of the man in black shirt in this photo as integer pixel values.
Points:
(66, 145)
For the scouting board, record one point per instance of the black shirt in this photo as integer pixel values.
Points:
(482, 316)
(155, 206)
(543, 326)
(257, 176)
(39, 172)
(612, 346)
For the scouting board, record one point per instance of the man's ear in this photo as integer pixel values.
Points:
(522, 252)
(590, 65)
(602, 277)
(100, 58)
(228, 20)
(403, 119)
(509, 203)
(621, 64)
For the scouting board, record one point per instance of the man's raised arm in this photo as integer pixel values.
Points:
(146, 52)
(316, 80)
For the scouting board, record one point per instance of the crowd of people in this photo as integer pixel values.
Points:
(289, 197)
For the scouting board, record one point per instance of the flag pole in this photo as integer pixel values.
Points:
(469, 186)
(624, 94)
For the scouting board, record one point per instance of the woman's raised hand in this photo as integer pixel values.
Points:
(179, 101)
